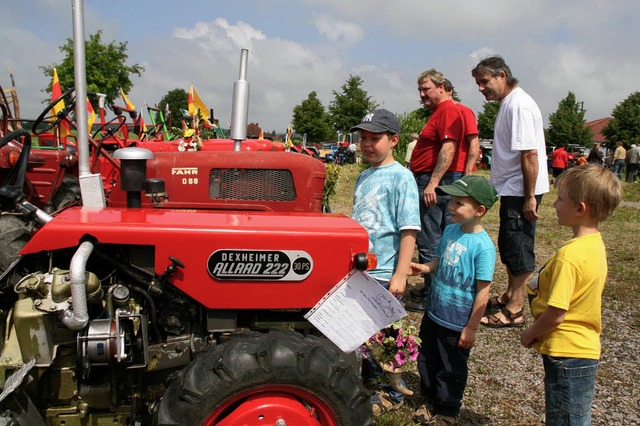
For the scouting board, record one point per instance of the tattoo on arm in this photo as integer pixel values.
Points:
(445, 158)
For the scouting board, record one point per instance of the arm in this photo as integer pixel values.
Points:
(529, 164)
(472, 155)
(445, 157)
(424, 268)
(398, 281)
(468, 334)
(546, 322)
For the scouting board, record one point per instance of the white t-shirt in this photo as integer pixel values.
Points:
(518, 127)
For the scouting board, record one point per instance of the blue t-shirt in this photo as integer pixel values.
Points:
(464, 258)
(385, 202)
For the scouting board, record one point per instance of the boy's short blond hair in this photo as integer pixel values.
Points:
(594, 185)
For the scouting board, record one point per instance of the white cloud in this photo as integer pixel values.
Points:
(338, 31)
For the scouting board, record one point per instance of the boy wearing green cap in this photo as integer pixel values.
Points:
(463, 269)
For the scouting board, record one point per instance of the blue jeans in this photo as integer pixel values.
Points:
(569, 385)
(433, 219)
(618, 167)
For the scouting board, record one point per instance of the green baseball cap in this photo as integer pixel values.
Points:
(474, 186)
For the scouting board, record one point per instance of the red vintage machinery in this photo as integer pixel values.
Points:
(157, 312)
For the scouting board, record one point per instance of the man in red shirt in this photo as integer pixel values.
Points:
(559, 160)
(431, 163)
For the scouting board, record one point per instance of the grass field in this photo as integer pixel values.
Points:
(493, 396)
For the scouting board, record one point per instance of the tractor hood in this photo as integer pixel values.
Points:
(232, 259)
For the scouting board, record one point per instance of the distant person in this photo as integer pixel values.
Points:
(619, 156)
(582, 160)
(632, 166)
(431, 163)
(413, 140)
(595, 156)
(385, 203)
(519, 173)
(566, 297)
(559, 161)
(462, 272)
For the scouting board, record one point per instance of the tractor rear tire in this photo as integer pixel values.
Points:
(292, 378)
(14, 236)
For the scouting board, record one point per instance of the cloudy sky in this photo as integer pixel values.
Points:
(589, 47)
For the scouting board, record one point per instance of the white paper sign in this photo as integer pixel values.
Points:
(354, 310)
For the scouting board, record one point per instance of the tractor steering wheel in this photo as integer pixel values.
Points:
(11, 190)
(110, 132)
(69, 104)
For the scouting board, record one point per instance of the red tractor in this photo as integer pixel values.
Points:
(154, 311)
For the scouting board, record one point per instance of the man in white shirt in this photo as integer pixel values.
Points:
(519, 173)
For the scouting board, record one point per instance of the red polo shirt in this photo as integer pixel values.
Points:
(470, 129)
(445, 123)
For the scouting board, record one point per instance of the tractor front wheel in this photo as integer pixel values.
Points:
(276, 378)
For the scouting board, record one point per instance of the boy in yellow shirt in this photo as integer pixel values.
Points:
(565, 297)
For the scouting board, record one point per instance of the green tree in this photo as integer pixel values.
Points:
(350, 105)
(311, 118)
(106, 66)
(411, 122)
(566, 124)
(177, 99)
(487, 119)
(625, 124)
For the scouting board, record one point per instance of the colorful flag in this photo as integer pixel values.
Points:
(143, 127)
(126, 100)
(196, 106)
(56, 92)
(91, 118)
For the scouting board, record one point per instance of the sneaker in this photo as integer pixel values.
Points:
(414, 305)
(423, 414)
(440, 420)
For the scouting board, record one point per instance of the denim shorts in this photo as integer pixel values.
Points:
(569, 386)
(516, 238)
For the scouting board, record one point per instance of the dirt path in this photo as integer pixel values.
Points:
(630, 204)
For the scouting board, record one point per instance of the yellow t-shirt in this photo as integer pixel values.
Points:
(573, 280)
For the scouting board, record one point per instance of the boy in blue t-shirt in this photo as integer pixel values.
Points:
(386, 204)
(463, 271)
(386, 201)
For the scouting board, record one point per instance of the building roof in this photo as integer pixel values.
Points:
(596, 127)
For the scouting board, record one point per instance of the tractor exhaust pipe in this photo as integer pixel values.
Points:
(90, 184)
(240, 105)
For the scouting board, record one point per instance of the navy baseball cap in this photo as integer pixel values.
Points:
(379, 121)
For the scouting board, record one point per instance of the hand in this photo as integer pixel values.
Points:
(467, 338)
(526, 339)
(529, 209)
(417, 269)
(430, 196)
(398, 285)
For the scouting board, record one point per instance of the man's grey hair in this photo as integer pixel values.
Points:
(493, 66)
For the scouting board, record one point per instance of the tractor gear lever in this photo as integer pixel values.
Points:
(175, 264)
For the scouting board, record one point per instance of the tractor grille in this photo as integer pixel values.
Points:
(251, 184)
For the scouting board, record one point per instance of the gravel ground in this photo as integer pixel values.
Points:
(505, 385)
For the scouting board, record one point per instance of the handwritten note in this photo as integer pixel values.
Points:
(354, 310)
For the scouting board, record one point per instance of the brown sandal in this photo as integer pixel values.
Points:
(496, 301)
(493, 321)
